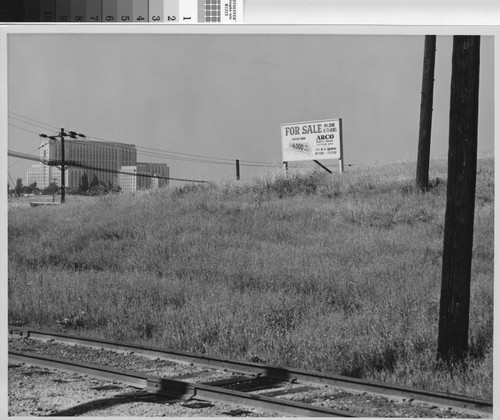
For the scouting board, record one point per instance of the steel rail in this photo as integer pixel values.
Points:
(180, 389)
(356, 384)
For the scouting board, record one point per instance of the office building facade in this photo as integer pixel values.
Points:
(143, 176)
(101, 160)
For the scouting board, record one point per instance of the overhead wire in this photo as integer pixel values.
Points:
(163, 153)
(23, 156)
(13, 183)
(168, 153)
(95, 168)
(114, 171)
(29, 123)
(32, 119)
(155, 152)
(22, 128)
(20, 158)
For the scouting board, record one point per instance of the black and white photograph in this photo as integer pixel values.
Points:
(249, 221)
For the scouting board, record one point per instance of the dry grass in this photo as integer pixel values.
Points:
(334, 273)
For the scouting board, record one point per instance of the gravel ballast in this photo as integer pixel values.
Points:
(36, 391)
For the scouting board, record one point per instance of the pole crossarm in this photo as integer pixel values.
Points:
(62, 164)
(58, 163)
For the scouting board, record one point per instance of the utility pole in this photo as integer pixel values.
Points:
(424, 136)
(459, 217)
(237, 169)
(63, 168)
(63, 164)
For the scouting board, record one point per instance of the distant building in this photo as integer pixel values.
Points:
(154, 175)
(128, 183)
(108, 157)
(143, 176)
(43, 175)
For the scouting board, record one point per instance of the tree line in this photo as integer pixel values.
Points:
(94, 187)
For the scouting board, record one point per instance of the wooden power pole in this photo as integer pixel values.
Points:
(64, 164)
(461, 190)
(424, 135)
(63, 167)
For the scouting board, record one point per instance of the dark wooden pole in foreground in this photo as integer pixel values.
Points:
(459, 217)
(424, 135)
(237, 169)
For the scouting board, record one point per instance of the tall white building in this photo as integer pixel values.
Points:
(100, 159)
(128, 183)
(43, 175)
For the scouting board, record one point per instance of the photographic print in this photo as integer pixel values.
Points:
(250, 221)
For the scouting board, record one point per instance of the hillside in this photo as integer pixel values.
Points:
(337, 273)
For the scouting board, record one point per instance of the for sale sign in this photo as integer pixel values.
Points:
(312, 140)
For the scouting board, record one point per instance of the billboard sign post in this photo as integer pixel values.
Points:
(313, 140)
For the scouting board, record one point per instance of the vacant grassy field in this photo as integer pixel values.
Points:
(340, 274)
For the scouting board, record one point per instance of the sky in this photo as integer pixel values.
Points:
(225, 96)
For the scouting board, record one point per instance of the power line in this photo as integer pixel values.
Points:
(184, 159)
(19, 160)
(13, 183)
(144, 150)
(186, 154)
(32, 119)
(21, 155)
(113, 171)
(21, 128)
(270, 165)
(229, 161)
(29, 123)
(166, 153)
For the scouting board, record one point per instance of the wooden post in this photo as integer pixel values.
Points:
(341, 160)
(323, 166)
(424, 136)
(237, 169)
(459, 217)
(285, 167)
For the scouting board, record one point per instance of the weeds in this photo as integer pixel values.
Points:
(334, 273)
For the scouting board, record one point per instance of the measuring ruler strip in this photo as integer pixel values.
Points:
(122, 11)
(140, 11)
(109, 11)
(47, 10)
(188, 11)
(77, 11)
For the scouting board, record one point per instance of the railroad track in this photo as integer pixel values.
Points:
(251, 377)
